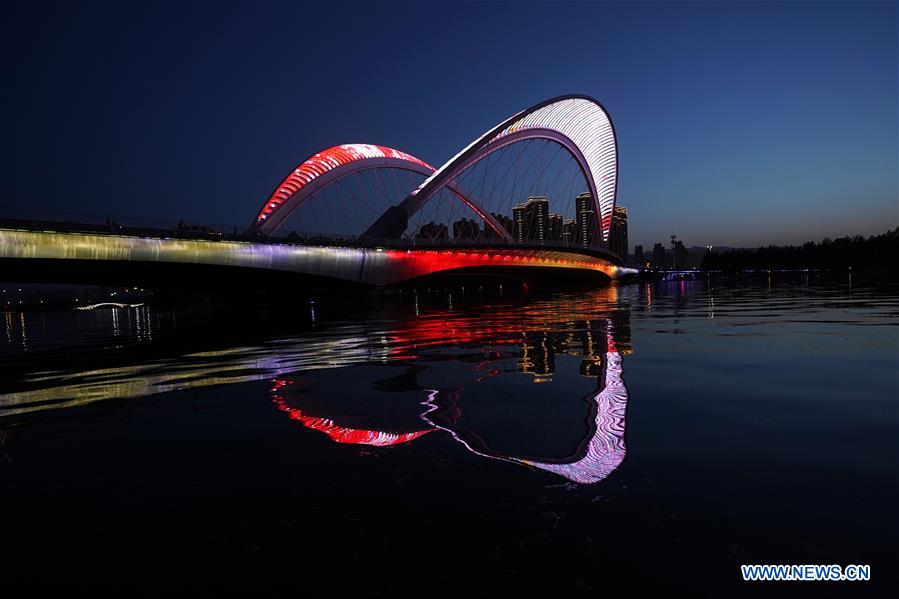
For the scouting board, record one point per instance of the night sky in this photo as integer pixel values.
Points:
(739, 123)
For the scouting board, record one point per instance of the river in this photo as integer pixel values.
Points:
(447, 440)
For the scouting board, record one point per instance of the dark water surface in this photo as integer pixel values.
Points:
(467, 442)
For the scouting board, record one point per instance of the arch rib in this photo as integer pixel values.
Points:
(414, 202)
(583, 127)
(323, 168)
(327, 166)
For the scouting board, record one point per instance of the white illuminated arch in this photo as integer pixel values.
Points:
(577, 122)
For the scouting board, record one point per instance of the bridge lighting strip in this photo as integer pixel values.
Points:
(362, 265)
(328, 160)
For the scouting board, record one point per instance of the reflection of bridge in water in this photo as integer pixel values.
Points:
(411, 377)
(385, 226)
(584, 447)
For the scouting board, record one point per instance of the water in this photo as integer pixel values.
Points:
(456, 441)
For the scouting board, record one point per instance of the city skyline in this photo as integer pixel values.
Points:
(532, 220)
(719, 131)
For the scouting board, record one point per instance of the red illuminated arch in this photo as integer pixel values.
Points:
(327, 166)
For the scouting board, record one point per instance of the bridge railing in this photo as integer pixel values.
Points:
(137, 227)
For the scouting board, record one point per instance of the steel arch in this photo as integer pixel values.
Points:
(323, 168)
(327, 166)
(414, 202)
(578, 122)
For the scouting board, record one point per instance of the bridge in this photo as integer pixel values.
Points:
(374, 216)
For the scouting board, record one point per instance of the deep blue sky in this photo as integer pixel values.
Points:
(739, 123)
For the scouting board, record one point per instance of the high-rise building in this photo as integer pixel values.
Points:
(681, 255)
(638, 255)
(536, 217)
(569, 230)
(659, 256)
(518, 220)
(465, 228)
(585, 219)
(555, 227)
(504, 221)
(431, 231)
(618, 233)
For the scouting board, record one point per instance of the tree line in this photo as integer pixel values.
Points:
(858, 252)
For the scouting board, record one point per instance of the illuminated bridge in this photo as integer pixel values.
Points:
(531, 197)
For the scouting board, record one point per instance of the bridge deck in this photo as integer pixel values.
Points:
(355, 261)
